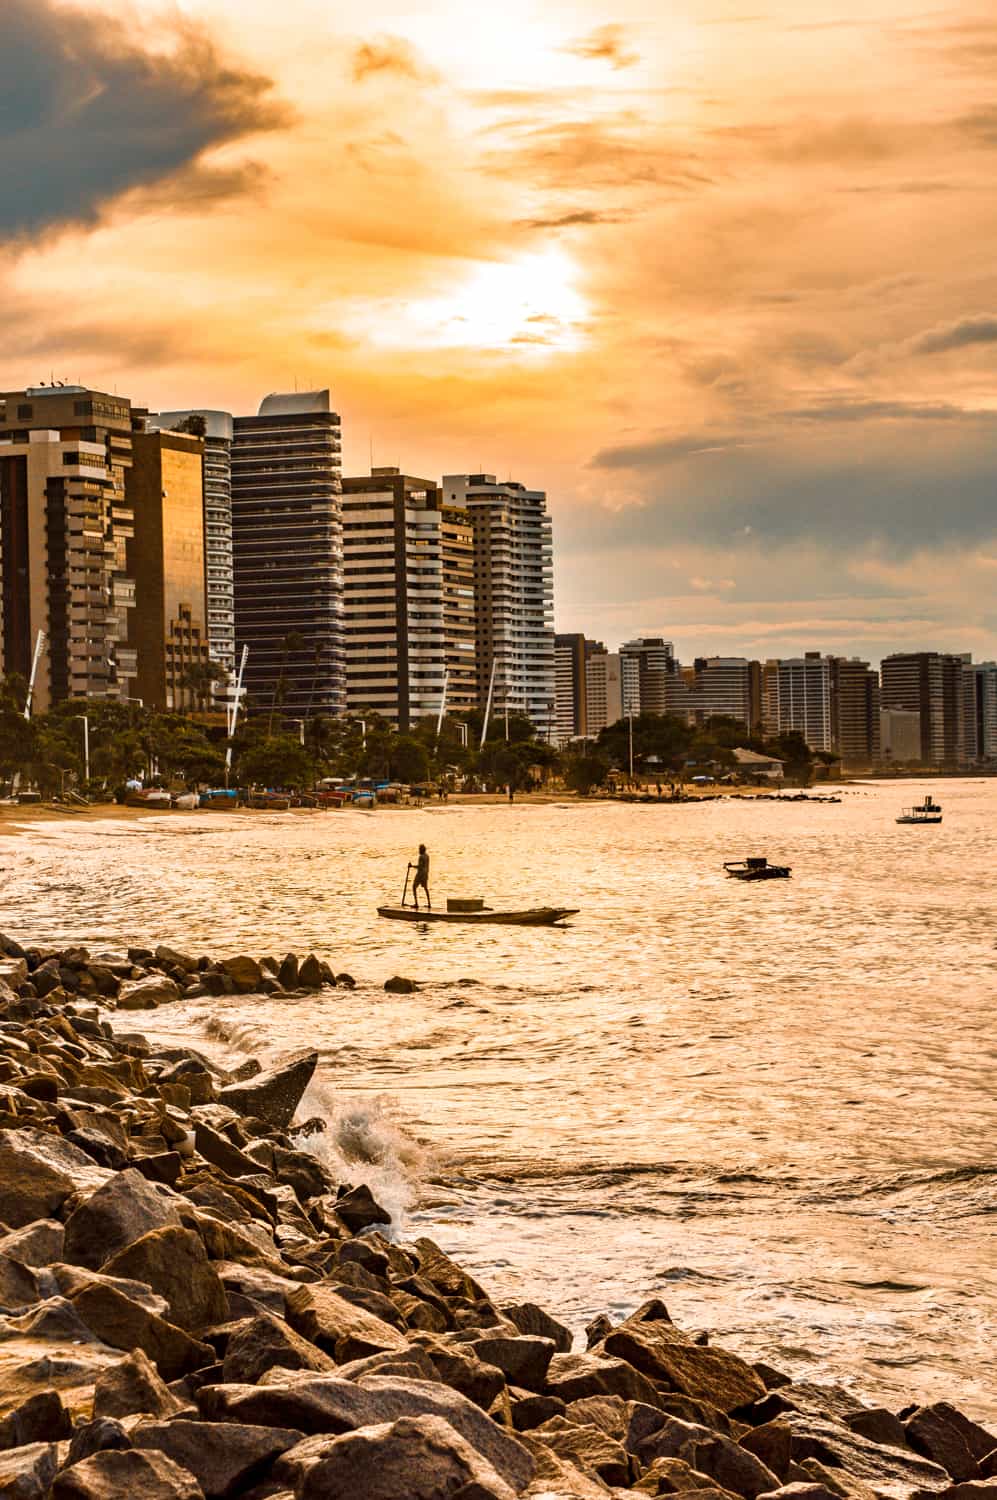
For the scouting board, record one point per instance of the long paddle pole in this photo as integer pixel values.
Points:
(405, 891)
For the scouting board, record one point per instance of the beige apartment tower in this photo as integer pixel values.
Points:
(65, 522)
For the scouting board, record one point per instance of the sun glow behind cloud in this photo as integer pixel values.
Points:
(529, 306)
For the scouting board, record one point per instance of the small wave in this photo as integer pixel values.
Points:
(362, 1142)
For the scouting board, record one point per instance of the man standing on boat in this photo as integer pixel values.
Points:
(422, 878)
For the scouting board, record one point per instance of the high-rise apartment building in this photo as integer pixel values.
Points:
(855, 711)
(166, 629)
(64, 526)
(805, 699)
(930, 683)
(215, 427)
(393, 613)
(650, 671)
(983, 678)
(728, 687)
(570, 702)
(287, 547)
(514, 592)
(603, 690)
(459, 608)
(899, 736)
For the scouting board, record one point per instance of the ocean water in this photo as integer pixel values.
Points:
(773, 1105)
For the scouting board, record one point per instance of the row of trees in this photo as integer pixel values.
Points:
(128, 740)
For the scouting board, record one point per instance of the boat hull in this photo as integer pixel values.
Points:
(916, 822)
(543, 916)
(773, 872)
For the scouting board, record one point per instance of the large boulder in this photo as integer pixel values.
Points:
(174, 1263)
(941, 1432)
(41, 1418)
(38, 1172)
(891, 1472)
(224, 1457)
(339, 1327)
(274, 1095)
(18, 1284)
(113, 1475)
(245, 973)
(148, 993)
(529, 1318)
(26, 1473)
(422, 1458)
(658, 1350)
(124, 1323)
(133, 1386)
(37, 1244)
(589, 1448)
(123, 1209)
(359, 1210)
(571, 1376)
(524, 1360)
(265, 1343)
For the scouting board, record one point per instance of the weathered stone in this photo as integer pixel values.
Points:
(571, 1376)
(224, 1457)
(243, 971)
(727, 1464)
(524, 1360)
(220, 1152)
(264, 1343)
(37, 1244)
(879, 1426)
(941, 1432)
(556, 1478)
(445, 1274)
(123, 1323)
(26, 1473)
(830, 1403)
(527, 1412)
(274, 1095)
(41, 1418)
(801, 1490)
(287, 974)
(162, 1166)
(94, 1437)
(18, 1284)
(113, 1475)
(310, 974)
(772, 1443)
(174, 1263)
(658, 1350)
(148, 993)
(529, 1318)
(134, 1386)
(38, 1172)
(359, 1210)
(118, 1213)
(166, 955)
(464, 1371)
(892, 1472)
(343, 1330)
(422, 1458)
(589, 1448)
(399, 985)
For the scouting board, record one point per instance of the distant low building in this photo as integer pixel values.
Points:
(751, 763)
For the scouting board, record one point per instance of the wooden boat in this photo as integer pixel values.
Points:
(756, 868)
(925, 812)
(540, 916)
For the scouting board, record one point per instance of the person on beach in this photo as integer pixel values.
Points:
(422, 878)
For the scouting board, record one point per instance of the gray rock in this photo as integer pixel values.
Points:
(524, 1360)
(589, 1448)
(26, 1473)
(529, 1318)
(123, 1209)
(359, 1210)
(892, 1472)
(244, 973)
(572, 1376)
(173, 1262)
(41, 1418)
(658, 1350)
(319, 1313)
(274, 1095)
(134, 1386)
(148, 993)
(941, 1432)
(38, 1172)
(37, 1244)
(224, 1457)
(265, 1343)
(113, 1475)
(310, 974)
(422, 1458)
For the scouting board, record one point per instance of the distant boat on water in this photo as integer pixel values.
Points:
(756, 868)
(925, 812)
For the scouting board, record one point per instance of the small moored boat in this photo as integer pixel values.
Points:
(927, 811)
(756, 868)
(477, 911)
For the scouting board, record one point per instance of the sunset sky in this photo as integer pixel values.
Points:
(720, 275)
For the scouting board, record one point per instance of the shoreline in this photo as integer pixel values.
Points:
(193, 1301)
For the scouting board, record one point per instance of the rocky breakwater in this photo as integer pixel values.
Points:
(192, 1308)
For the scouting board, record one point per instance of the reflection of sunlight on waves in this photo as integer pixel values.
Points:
(362, 1143)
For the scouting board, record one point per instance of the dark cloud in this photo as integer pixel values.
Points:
(659, 452)
(806, 487)
(858, 410)
(979, 329)
(387, 55)
(605, 44)
(86, 115)
(570, 221)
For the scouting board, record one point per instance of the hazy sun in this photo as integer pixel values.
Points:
(528, 305)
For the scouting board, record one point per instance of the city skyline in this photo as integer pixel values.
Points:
(721, 284)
